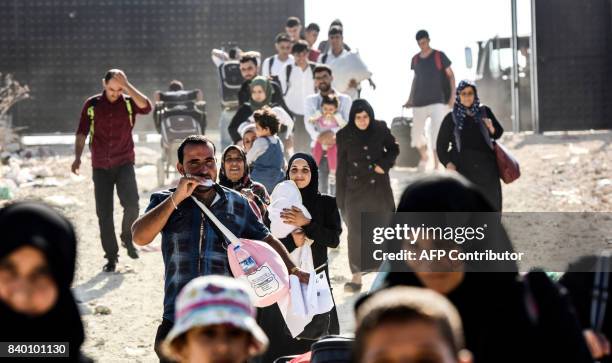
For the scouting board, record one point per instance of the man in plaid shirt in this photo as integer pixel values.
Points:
(191, 244)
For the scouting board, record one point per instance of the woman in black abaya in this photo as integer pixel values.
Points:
(324, 229)
(37, 262)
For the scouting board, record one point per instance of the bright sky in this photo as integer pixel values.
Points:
(383, 31)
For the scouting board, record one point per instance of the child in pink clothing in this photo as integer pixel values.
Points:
(329, 119)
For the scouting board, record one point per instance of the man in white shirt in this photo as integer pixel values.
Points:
(322, 80)
(274, 65)
(297, 82)
(336, 51)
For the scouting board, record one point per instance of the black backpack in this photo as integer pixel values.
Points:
(230, 81)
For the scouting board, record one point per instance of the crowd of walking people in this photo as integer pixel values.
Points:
(291, 128)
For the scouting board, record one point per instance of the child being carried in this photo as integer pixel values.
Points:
(327, 123)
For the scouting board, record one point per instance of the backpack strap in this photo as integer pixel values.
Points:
(438, 60)
(288, 70)
(288, 74)
(270, 64)
(324, 58)
(128, 105)
(312, 66)
(91, 113)
(415, 60)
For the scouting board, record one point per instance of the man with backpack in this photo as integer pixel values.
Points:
(337, 50)
(108, 118)
(273, 65)
(230, 82)
(297, 82)
(431, 95)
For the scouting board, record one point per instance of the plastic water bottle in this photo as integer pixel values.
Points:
(247, 263)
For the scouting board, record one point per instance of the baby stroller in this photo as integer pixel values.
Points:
(177, 115)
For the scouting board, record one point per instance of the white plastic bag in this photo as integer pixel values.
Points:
(305, 301)
(285, 195)
(347, 67)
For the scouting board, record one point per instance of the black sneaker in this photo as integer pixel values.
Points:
(132, 252)
(110, 266)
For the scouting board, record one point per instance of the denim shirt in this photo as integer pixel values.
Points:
(192, 246)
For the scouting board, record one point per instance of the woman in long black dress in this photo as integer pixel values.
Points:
(324, 229)
(366, 153)
(469, 130)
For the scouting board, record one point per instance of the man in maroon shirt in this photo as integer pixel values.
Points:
(310, 35)
(108, 119)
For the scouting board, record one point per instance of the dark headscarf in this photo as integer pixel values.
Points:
(459, 201)
(448, 193)
(358, 106)
(36, 225)
(245, 181)
(460, 112)
(268, 89)
(311, 191)
(451, 194)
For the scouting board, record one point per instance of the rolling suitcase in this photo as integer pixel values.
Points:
(400, 128)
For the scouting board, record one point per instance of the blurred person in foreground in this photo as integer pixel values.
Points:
(215, 323)
(408, 324)
(37, 263)
(527, 317)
